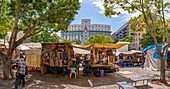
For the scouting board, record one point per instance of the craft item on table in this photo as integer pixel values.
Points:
(48, 46)
(56, 47)
(58, 62)
(45, 45)
(53, 46)
(61, 64)
(51, 62)
(55, 54)
(46, 62)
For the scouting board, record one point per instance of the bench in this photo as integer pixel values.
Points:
(125, 85)
(143, 78)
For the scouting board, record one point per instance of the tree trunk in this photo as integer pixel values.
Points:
(7, 70)
(162, 72)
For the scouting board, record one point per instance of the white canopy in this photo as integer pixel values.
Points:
(21, 47)
(81, 51)
(127, 52)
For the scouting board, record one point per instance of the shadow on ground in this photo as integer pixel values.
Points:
(143, 87)
(51, 79)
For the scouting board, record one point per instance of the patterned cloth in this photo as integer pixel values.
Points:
(22, 65)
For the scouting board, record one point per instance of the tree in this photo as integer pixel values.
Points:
(99, 39)
(115, 40)
(44, 37)
(127, 39)
(65, 40)
(86, 43)
(147, 39)
(78, 42)
(33, 17)
(149, 9)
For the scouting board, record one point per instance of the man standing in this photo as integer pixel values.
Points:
(87, 68)
(21, 70)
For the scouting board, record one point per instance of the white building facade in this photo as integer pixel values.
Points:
(84, 30)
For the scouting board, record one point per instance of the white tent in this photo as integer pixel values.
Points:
(150, 62)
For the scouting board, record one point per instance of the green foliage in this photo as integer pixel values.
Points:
(127, 39)
(65, 40)
(147, 39)
(44, 37)
(149, 9)
(6, 25)
(99, 39)
(78, 42)
(54, 15)
(86, 43)
(115, 40)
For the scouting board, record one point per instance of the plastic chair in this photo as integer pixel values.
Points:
(73, 71)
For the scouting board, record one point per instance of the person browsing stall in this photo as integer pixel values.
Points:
(21, 71)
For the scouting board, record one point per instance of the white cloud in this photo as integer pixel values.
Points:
(99, 4)
(80, 1)
(126, 15)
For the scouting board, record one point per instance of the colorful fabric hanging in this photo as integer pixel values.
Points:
(38, 61)
(35, 60)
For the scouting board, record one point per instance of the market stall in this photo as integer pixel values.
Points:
(129, 58)
(102, 57)
(33, 55)
(55, 55)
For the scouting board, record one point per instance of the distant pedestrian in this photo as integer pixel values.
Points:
(85, 57)
(21, 71)
(77, 62)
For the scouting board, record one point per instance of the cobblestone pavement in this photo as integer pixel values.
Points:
(57, 81)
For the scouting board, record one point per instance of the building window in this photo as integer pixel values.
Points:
(139, 34)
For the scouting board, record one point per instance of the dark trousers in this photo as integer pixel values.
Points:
(20, 78)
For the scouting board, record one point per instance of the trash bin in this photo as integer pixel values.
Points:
(101, 72)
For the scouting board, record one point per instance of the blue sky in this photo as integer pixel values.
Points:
(89, 10)
(94, 10)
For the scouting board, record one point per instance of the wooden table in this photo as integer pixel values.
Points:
(125, 85)
(143, 78)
